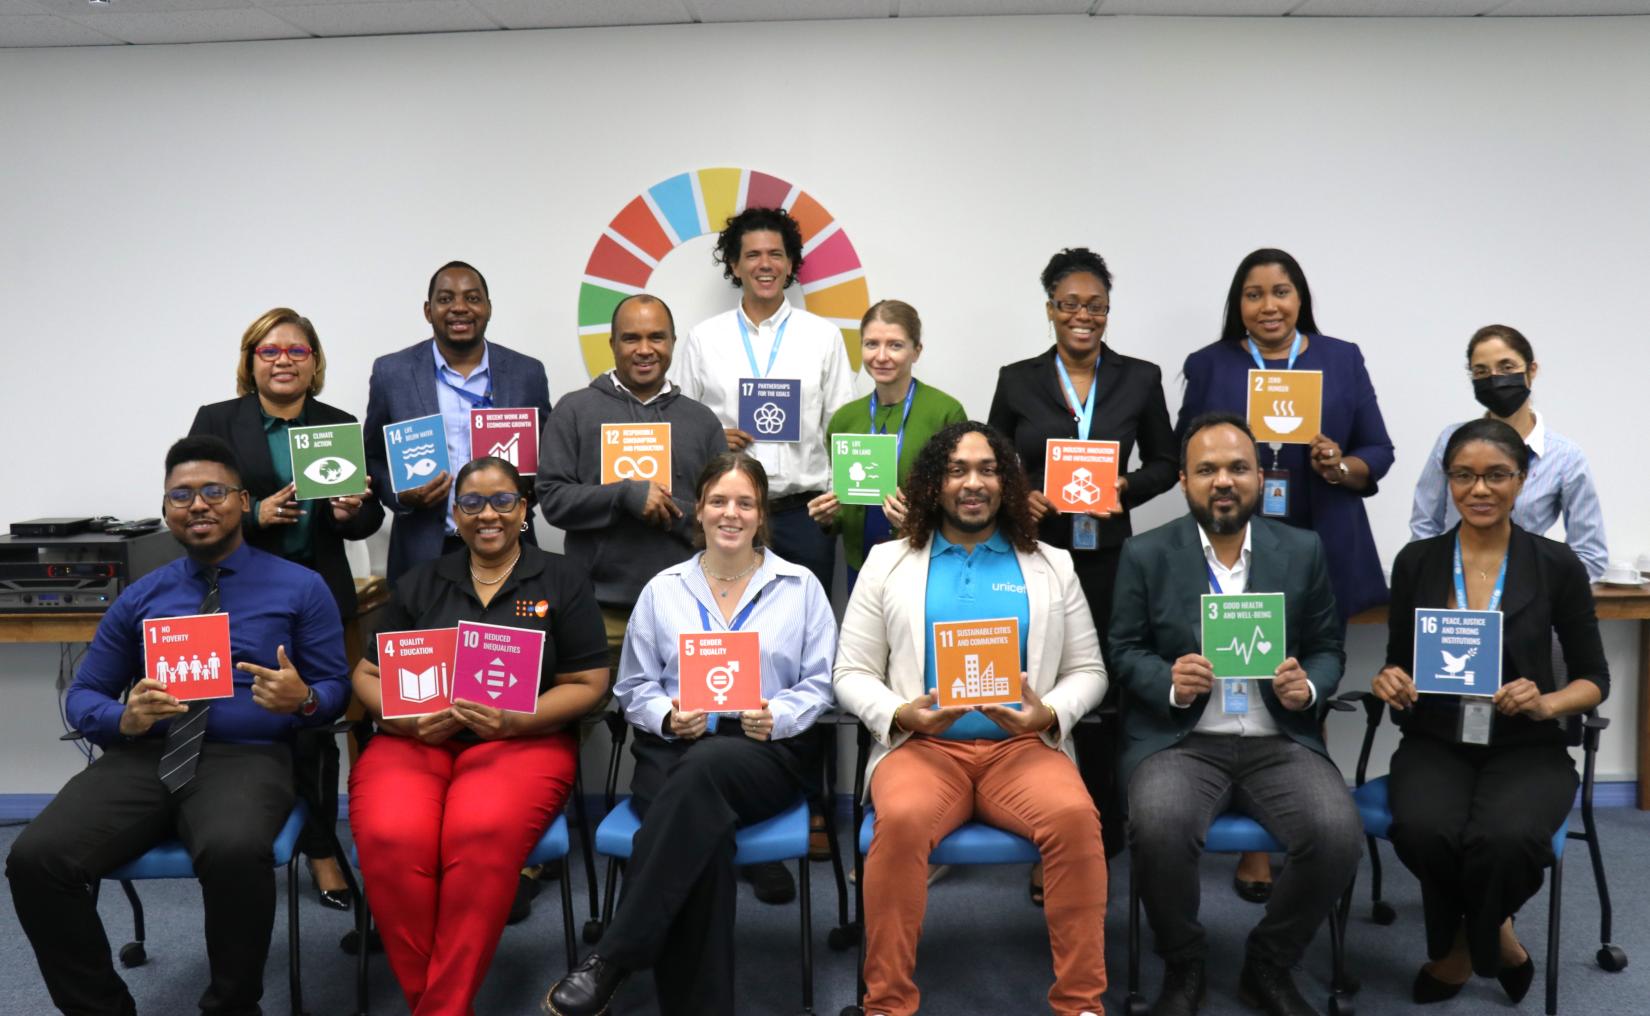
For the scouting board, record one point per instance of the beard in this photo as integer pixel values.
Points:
(210, 551)
(963, 525)
(1223, 525)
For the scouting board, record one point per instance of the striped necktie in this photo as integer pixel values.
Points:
(188, 732)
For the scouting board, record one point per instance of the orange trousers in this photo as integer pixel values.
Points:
(929, 786)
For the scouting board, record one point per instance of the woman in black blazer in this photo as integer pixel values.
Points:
(1032, 405)
(1475, 821)
(281, 369)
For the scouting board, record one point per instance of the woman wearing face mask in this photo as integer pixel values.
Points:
(1503, 369)
(1270, 326)
(890, 345)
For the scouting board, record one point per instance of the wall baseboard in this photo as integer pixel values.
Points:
(23, 807)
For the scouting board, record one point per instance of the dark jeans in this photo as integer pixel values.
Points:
(315, 777)
(1296, 794)
(1475, 824)
(114, 810)
(800, 540)
(680, 888)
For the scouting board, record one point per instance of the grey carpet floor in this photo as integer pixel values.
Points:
(984, 948)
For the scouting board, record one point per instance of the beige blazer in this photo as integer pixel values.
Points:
(882, 646)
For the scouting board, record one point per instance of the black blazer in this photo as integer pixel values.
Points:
(1030, 407)
(240, 422)
(1546, 592)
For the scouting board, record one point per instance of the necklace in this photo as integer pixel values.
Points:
(494, 582)
(727, 578)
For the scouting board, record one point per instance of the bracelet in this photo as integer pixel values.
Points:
(897, 724)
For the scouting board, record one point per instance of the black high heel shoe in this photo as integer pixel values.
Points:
(1516, 981)
(332, 899)
(1429, 989)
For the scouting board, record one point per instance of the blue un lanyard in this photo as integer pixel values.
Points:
(899, 442)
(1294, 352)
(1083, 414)
(1461, 580)
(750, 354)
(483, 401)
(739, 619)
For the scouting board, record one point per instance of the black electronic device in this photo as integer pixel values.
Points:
(79, 573)
(51, 527)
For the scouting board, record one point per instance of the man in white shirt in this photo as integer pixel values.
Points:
(1195, 749)
(766, 338)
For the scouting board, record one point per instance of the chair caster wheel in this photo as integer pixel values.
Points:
(132, 954)
(1340, 1006)
(1136, 1006)
(1612, 958)
(1382, 913)
(592, 931)
(843, 938)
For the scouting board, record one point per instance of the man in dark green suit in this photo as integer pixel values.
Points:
(1193, 750)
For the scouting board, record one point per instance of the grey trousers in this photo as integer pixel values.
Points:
(1296, 794)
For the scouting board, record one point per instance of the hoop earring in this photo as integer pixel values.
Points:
(524, 525)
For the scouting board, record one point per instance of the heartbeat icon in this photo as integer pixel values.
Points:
(1258, 645)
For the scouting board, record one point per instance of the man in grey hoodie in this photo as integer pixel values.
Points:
(628, 530)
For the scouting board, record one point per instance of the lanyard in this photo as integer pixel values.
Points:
(739, 619)
(899, 442)
(482, 401)
(1214, 583)
(1461, 580)
(1084, 415)
(750, 354)
(1294, 352)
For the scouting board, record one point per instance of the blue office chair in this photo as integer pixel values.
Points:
(781, 838)
(1374, 809)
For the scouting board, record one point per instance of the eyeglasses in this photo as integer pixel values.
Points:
(503, 502)
(1495, 479)
(297, 354)
(1479, 370)
(1070, 306)
(211, 493)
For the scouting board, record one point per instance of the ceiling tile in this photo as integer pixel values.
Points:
(971, 8)
(82, 10)
(404, 17)
(1393, 8)
(163, 27)
(787, 10)
(46, 30)
(582, 13)
(1549, 8)
(1193, 8)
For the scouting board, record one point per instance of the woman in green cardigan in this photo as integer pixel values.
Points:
(890, 344)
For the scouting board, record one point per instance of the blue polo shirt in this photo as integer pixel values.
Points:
(964, 586)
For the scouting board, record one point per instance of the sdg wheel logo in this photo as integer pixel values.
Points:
(687, 205)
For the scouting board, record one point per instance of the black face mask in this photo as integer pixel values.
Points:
(1501, 394)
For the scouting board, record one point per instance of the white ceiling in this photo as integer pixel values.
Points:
(29, 23)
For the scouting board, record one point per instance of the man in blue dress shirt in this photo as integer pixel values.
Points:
(219, 778)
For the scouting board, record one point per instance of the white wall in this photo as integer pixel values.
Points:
(1432, 175)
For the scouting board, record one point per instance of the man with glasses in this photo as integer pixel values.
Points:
(625, 530)
(216, 774)
(451, 373)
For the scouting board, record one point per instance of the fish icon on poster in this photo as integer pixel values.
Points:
(498, 666)
(509, 434)
(416, 451)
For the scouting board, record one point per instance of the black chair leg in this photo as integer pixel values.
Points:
(859, 914)
(568, 933)
(294, 974)
(1554, 914)
(1135, 1003)
(1380, 911)
(581, 812)
(804, 896)
(836, 863)
(611, 896)
(363, 934)
(1345, 982)
(133, 953)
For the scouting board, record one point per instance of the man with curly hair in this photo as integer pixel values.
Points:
(970, 553)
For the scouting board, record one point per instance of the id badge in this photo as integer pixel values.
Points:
(1476, 718)
(1274, 497)
(1085, 532)
(1234, 697)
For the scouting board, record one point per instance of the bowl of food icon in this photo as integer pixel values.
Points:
(1283, 424)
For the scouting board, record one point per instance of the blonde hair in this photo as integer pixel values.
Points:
(259, 330)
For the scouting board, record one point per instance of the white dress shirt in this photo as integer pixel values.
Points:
(711, 360)
(1258, 721)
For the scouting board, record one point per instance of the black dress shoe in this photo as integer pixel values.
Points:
(585, 991)
(1429, 989)
(772, 881)
(332, 899)
(1252, 892)
(1183, 989)
(1268, 986)
(1516, 981)
(521, 908)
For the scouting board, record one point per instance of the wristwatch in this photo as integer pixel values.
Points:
(311, 703)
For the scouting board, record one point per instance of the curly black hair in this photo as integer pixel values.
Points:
(927, 479)
(756, 220)
(1071, 261)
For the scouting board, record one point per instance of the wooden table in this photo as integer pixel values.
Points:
(1613, 603)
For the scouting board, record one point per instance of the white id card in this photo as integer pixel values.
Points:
(1234, 697)
(1085, 532)
(1477, 716)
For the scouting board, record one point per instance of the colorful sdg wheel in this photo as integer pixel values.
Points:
(687, 205)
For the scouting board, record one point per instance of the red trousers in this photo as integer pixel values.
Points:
(442, 833)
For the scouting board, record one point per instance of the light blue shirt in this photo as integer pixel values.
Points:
(965, 586)
(455, 412)
(1559, 484)
(792, 615)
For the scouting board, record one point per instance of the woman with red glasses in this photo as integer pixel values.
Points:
(281, 371)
